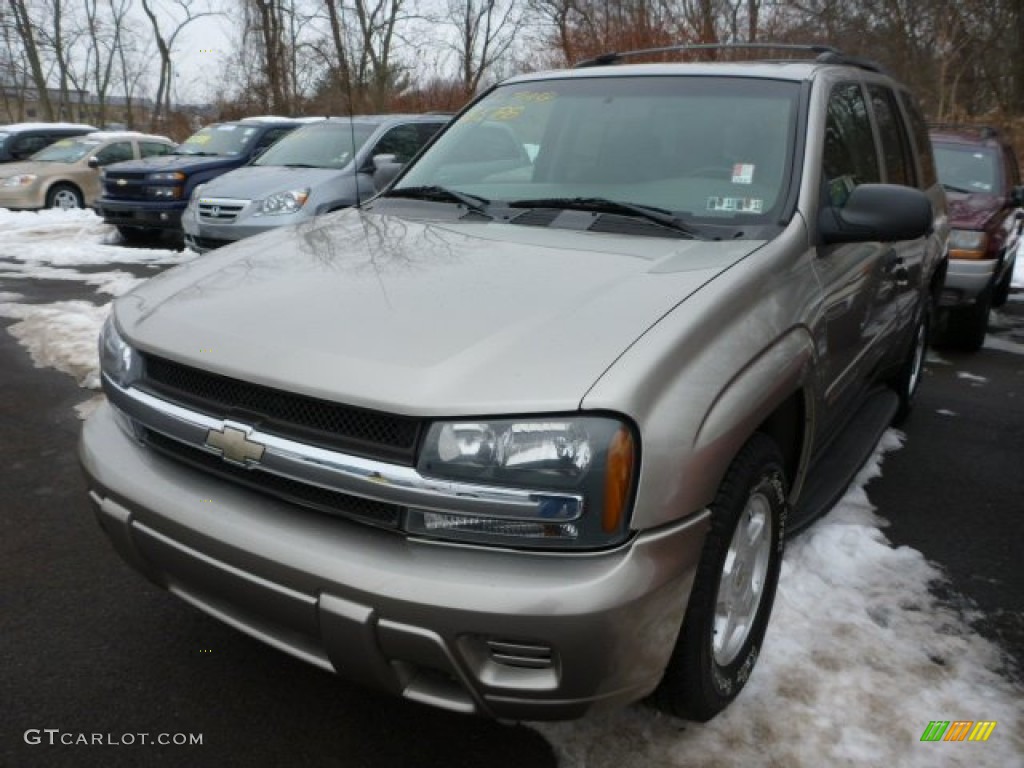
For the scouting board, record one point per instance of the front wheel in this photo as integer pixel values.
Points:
(909, 378)
(63, 196)
(734, 589)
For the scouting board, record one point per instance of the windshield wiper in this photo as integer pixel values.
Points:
(474, 203)
(603, 205)
(197, 154)
(296, 165)
(953, 188)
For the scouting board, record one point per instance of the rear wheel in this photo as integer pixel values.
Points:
(63, 196)
(734, 589)
(967, 326)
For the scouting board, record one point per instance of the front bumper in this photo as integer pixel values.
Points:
(966, 280)
(202, 237)
(512, 635)
(26, 198)
(140, 213)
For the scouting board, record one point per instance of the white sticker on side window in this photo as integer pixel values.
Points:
(743, 173)
(736, 204)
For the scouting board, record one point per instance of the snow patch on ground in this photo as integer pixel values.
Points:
(945, 412)
(972, 377)
(115, 283)
(858, 659)
(6, 296)
(85, 408)
(1018, 267)
(1003, 344)
(62, 336)
(935, 358)
(72, 238)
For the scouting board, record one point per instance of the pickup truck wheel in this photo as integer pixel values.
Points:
(909, 377)
(63, 196)
(967, 326)
(734, 588)
(1002, 291)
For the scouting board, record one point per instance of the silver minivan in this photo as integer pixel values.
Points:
(322, 167)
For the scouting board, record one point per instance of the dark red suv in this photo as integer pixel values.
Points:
(979, 170)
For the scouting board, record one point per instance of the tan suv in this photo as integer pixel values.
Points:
(525, 435)
(66, 173)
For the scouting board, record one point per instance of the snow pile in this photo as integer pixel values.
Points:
(72, 238)
(62, 336)
(115, 282)
(858, 659)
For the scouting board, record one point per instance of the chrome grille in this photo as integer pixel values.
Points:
(214, 211)
(359, 431)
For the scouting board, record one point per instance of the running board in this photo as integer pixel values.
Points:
(836, 468)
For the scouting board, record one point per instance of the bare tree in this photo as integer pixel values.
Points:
(485, 29)
(26, 29)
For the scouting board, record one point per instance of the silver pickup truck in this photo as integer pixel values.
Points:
(524, 435)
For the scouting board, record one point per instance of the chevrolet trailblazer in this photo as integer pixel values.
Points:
(524, 436)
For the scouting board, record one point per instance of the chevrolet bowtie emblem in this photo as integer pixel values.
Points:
(122, 182)
(234, 445)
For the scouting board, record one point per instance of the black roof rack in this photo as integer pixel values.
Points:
(983, 131)
(826, 54)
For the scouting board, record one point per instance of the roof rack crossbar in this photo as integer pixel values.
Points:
(826, 54)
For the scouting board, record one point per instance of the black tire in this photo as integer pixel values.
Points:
(64, 196)
(966, 327)
(701, 678)
(1002, 291)
(908, 380)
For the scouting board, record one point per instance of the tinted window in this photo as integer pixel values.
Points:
(271, 137)
(895, 147)
(28, 145)
(115, 153)
(67, 150)
(922, 143)
(402, 141)
(153, 149)
(850, 155)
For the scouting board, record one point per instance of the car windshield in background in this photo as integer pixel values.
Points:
(712, 149)
(967, 169)
(66, 151)
(227, 139)
(321, 145)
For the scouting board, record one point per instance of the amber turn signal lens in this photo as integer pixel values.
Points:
(618, 479)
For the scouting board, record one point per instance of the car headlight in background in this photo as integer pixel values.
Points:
(967, 244)
(21, 180)
(560, 461)
(284, 202)
(167, 176)
(118, 361)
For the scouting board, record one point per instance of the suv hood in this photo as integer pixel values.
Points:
(972, 211)
(174, 163)
(417, 317)
(255, 181)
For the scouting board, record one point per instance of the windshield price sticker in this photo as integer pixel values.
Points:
(743, 173)
(226, 127)
(199, 138)
(736, 204)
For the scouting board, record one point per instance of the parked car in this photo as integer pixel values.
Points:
(313, 170)
(525, 435)
(66, 173)
(979, 170)
(148, 196)
(20, 141)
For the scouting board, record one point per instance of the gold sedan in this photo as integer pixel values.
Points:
(66, 174)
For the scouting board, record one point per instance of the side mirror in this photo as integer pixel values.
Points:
(1016, 198)
(882, 212)
(93, 162)
(385, 169)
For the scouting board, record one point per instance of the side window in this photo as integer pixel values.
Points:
(923, 144)
(426, 131)
(895, 147)
(270, 137)
(850, 157)
(115, 153)
(25, 146)
(153, 149)
(402, 141)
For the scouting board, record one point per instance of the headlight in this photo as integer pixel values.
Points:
(967, 244)
(118, 361)
(21, 180)
(164, 193)
(593, 458)
(284, 202)
(167, 176)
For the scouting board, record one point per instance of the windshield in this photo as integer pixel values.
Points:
(706, 148)
(224, 139)
(967, 169)
(66, 151)
(320, 145)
